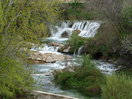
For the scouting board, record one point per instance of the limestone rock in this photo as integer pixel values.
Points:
(67, 50)
(64, 48)
(76, 31)
(48, 57)
(54, 44)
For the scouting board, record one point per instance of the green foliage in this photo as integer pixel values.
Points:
(76, 42)
(127, 19)
(117, 87)
(27, 19)
(74, 14)
(14, 78)
(21, 22)
(106, 43)
(24, 20)
(127, 71)
(76, 11)
(86, 78)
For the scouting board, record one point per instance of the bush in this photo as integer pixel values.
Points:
(76, 42)
(76, 11)
(117, 87)
(14, 78)
(126, 16)
(21, 22)
(106, 43)
(86, 78)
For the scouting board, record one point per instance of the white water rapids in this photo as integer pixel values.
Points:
(87, 29)
(44, 72)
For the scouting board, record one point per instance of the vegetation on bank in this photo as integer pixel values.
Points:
(76, 11)
(117, 87)
(86, 78)
(113, 40)
(15, 78)
(21, 21)
(76, 42)
(116, 30)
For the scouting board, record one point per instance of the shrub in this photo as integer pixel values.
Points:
(127, 18)
(76, 11)
(86, 78)
(76, 42)
(117, 87)
(106, 43)
(14, 78)
(21, 21)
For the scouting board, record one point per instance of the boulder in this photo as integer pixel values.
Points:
(76, 31)
(54, 44)
(48, 57)
(67, 50)
(65, 34)
(64, 48)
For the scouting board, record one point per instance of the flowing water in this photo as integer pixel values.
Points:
(43, 73)
(87, 29)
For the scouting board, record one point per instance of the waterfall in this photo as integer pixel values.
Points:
(44, 72)
(87, 29)
(80, 50)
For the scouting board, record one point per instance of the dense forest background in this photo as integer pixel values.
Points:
(21, 22)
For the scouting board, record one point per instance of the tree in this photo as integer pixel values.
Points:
(113, 11)
(25, 20)
(21, 21)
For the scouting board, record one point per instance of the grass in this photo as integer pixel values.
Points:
(90, 81)
(117, 87)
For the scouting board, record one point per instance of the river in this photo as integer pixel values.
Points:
(43, 73)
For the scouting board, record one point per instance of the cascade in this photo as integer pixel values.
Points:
(44, 72)
(44, 48)
(80, 50)
(87, 29)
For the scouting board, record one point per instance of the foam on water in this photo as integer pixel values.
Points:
(44, 72)
(87, 29)
(44, 48)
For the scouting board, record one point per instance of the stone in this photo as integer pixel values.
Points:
(65, 34)
(54, 44)
(67, 50)
(64, 48)
(76, 31)
(47, 57)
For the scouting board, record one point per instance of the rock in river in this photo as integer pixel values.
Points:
(47, 57)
